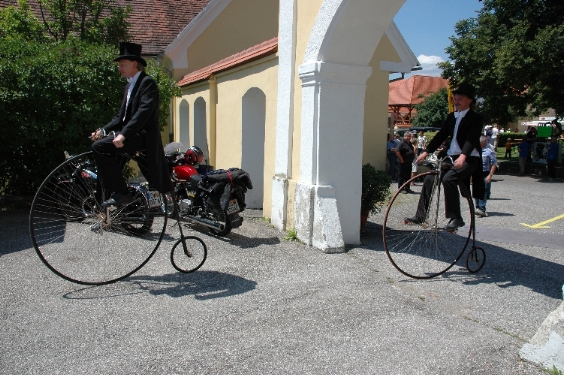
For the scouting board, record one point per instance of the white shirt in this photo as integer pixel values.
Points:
(131, 81)
(454, 146)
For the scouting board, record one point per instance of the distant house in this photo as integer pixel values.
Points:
(404, 94)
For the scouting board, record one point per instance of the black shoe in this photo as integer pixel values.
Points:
(454, 224)
(414, 220)
(118, 199)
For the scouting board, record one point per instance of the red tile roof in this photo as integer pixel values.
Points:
(408, 91)
(154, 24)
(256, 52)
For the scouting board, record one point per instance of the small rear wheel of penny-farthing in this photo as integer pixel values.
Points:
(188, 254)
(476, 259)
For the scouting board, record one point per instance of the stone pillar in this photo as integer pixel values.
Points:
(327, 207)
(284, 112)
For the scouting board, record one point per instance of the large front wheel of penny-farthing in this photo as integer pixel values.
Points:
(82, 242)
(424, 250)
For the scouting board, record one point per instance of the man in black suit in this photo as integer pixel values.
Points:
(135, 128)
(464, 126)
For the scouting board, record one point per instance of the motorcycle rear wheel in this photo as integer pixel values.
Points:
(87, 247)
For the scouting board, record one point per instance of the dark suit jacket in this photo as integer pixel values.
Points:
(142, 119)
(468, 138)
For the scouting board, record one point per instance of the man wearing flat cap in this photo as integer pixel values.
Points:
(464, 127)
(134, 128)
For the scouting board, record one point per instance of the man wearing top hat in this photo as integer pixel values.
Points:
(135, 127)
(464, 127)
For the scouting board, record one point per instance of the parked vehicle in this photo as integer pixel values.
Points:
(213, 198)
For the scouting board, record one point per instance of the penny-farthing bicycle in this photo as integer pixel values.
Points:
(85, 243)
(425, 250)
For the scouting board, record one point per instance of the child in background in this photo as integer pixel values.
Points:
(508, 146)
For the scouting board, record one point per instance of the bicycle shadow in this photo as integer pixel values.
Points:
(202, 285)
(504, 267)
(245, 242)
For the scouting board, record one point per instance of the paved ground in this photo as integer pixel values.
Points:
(263, 305)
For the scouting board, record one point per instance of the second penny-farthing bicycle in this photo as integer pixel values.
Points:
(83, 242)
(426, 249)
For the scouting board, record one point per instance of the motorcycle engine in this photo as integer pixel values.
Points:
(185, 205)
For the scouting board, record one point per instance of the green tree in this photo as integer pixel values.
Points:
(20, 21)
(433, 111)
(95, 21)
(53, 94)
(513, 52)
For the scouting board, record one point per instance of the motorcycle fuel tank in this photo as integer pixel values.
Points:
(183, 172)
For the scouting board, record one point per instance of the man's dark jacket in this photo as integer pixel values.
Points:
(468, 138)
(142, 118)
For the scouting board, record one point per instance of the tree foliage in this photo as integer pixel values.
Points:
(94, 21)
(53, 94)
(513, 52)
(52, 97)
(433, 111)
(20, 22)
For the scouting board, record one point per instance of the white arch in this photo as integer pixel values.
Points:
(184, 123)
(200, 126)
(253, 122)
(334, 74)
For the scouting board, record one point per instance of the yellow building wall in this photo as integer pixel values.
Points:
(376, 106)
(242, 24)
(223, 94)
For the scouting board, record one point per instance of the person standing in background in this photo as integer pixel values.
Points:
(421, 142)
(392, 157)
(551, 156)
(405, 154)
(489, 166)
(524, 148)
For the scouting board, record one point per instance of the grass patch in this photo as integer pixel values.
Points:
(553, 371)
(291, 235)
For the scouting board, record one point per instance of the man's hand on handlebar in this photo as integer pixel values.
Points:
(421, 158)
(459, 162)
(97, 134)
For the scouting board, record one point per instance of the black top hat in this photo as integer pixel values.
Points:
(466, 89)
(130, 51)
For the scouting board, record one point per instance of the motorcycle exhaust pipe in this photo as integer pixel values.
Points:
(208, 223)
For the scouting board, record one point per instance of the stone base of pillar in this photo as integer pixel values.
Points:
(546, 348)
(279, 202)
(317, 218)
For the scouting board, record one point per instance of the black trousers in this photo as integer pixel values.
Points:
(110, 160)
(450, 188)
(405, 172)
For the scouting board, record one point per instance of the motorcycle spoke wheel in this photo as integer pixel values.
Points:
(188, 254)
(87, 247)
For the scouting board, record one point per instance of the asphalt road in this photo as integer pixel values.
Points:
(263, 305)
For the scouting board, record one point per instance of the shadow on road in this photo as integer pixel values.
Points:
(504, 267)
(203, 285)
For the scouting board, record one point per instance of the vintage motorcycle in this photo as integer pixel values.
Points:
(213, 198)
